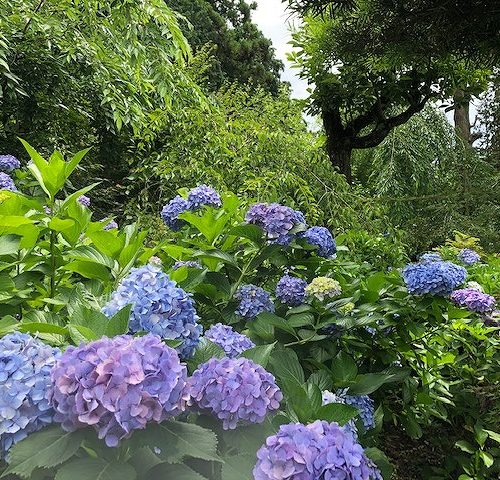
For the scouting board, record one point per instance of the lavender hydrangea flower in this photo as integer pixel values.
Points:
(203, 195)
(291, 290)
(158, 306)
(25, 365)
(6, 183)
(469, 257)
(474, 300)
(84, 200)
(276, 220)
(435, 278)
(188, 264)
(430, 257)
(323, 239)
(232, 342)
(9, 163)
(171, 211)
(118, 385)
(253, 301)
(111, 225)
(330, 397)
(317, 451)
(363, 403)
(235, 390)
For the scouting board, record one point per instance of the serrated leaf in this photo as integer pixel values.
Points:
(118, 323)
(259, 354)
(174, 472)
(42, 328)
(344, 368)
(336, 412)
(285, 365)
(9, 244)
(252, 232)
(95, 469)
(369, 382)
(238, 467)
(204, 352)
(80, 334)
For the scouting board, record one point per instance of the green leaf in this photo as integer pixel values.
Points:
(285, 364)
(42, 328)
(369, 382)
(336, 412)
(493, 435)
(262, 328)
(487, 458)
(90, 254)
(381, 460)
(238, 467)
(89, 270)
(118, 323)
(95, 469)
(465, 446)
(8, 324)
(259, 354)
(217, 255)
(321, 379)
(301, 319)
(9, 244)
(252, 232)
(174, 472)
(204, 352)
(344, 368)
(80, 334)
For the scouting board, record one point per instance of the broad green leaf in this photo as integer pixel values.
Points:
(80, 334)
(465, 446)
(322, 379)
(301, 319)
(285, 364)
(369, 382)
(89, 269)
(42, 328)
(336, 412)
(9, 244)
(238, 467)
(262, 328)
(344, 368)
(174, 472)
(90, 254)
(204, 352)
(252, 232)
(259, 354)
(95, 469)
(8, 324)
(382, 462)
(493, 435)
(118, 323)
(275, 321)
(217, 255)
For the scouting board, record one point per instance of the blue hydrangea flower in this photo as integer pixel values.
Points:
(468, 256)
(171, 211)
(232, 342)
(111, 225)
(6, 183)
(9, 163)
(25, 365)
(235, 390)
(435, 278)
(203, 195)
(430, 257)
(84, 200)
(330, 397)
(363, 403)
(291, 290)
(323, 239)
(118, 385)
(253, 301)
(474, 300)
(159, 306)
(188, 264)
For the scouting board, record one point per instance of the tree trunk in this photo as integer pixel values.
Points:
(338, 145)
(461, 117)
(340, 157)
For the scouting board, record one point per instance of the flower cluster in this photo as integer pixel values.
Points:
(320, 450)
(188, 264)
(232, 342)
(323, 287)
(9, 163)
(436, 278)
(363, 403)
(84, 200)
(323, 239)
(158, 306)
(111, 225)
(468, 256)
(253, 301)
(347, 308)
(330, 397)
(291, 290)
(276, 220)
(430, 257)
(170, 212)
(118, 385)
(25, 365)
(6, 183)
(475, 286)
(474, 300)
(203, 195)
(235, 390)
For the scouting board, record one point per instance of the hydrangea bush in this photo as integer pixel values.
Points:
(434, 278)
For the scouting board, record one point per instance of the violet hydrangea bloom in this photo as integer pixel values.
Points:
(435, 278)
(291, 290)
(468, 256)
(187, 263)
(84, 200)
(363, 403)
(171, 211)
(253, 301)
(330, 397)
(232, 342)
(430, 257)
(111, 225)
(235, 390)
(474, 300)
(203, 195)
(6, 183)
(9, 163)
(323, 239)
(159, 306)
(118, 385)
(25, 365)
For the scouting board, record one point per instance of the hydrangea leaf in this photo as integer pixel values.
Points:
(204, 352)
(260, 354)
(336, 412)
(97, 469)
(177, 471)
(238, 467)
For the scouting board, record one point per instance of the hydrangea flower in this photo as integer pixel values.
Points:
(188, 264)
(330, 397)
(436, 278)
(474, 300)
(475, 286)
(156, 261)
(276, 220)
(318, 451)
(430, 257)
(232, 342)
(84, 200)
(9, 163)
(111, 225)
(347, 308)
(468, 256)
(203, 195)
(158, 306)
(291, 290)
(253, 301)
(323, 287)
(323, 239)
(118, 385)
(6, 183)
(235, 390)
(363, 403)
(171, 211)
(25, 365)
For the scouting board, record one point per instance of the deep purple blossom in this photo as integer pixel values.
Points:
(232, 342)
(468, 256)
(235, 390)
(9, 163)
(291, 290)
(171, 211)
(474, 300)
(118, 385)
(6, 182)
(435, 278)
(203, 195)
(323, 239)
(253, 301)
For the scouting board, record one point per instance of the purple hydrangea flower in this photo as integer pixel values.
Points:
(435, 278)
(232, 342)
(430, 257)
(474, 300)
(118, 385)
(9, 163)
(291, 290)
(111, 225)
(203, 195)
(323, 239)
(330, 397)
(253, 301)
(235, 390)
(317, 451)
(84, 200)
(188, 264)
(25, 365)
(158, 306)
(276, 220)
(6, 183)
(171, 211)
(468, 256)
